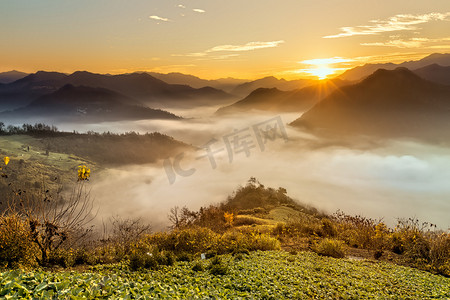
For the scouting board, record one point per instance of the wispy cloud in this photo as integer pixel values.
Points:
(224, 56)
(412, 43)
(181, 6)
(199, 10)
(395, 23)
(209, 53)
(395, 57)
(157, 18)
(246, 47)
(195, 54)
(439, 47)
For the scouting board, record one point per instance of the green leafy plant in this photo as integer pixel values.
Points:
(330, 247)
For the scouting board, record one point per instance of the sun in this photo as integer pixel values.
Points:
(323, 67)
(321, 71)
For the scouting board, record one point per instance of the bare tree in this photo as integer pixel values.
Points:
(174, 217)
(54, 220)
(181, 218)
(127, 232)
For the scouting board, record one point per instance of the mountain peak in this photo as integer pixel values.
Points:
(78, 73)
(437, 57)
(42, 76)
(388, 103)
(394, 77)
(11, 76)
(432, 67)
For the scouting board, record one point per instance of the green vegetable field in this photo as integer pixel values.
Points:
(260, 275)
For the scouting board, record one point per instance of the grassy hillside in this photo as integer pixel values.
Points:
(112, 149)
(215, 252)
(260, 275)
(47, 159)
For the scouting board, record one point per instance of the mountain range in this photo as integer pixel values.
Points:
(225, 84)
(275, 100)
(366, 103)
(245, 89)
(435, 73)
(141, 86)
(388, 103)
(11, 76)
(87, 104)
(361, 72)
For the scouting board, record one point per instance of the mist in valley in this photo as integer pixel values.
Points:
(379, 179)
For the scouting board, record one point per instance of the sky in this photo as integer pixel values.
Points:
(219, 38)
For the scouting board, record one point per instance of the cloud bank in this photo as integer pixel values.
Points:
(377, 179)
(413, 43)
(396, 23)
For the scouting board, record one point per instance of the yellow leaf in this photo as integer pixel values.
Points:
(83, 172)
(6, 160)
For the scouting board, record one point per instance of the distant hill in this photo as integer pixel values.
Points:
(388, 103)
(146, 88)
(361, 72)
(272, 99)
(442, 59)
(435, 73)
(21, 92)
(111, 149)
(270, 82)
(225, 84)
(143, 87)
(10, 76)
(83, 103)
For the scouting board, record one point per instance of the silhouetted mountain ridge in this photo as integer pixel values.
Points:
(11, 76)
(388, 103)
(82, 103)
(141, 86)
(270, 82)
(361, 72)
(275, 100)
(435, 73)
(225, 84)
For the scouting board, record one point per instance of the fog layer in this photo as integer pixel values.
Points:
(389, 180)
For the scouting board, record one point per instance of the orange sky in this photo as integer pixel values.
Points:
(212, 39)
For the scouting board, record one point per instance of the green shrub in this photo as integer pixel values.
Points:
(377, 254)
(184, 256)
(198, 267)
(240, 251)
(217, 266)
(210, 254)
(140, 260)
(191, 240)
(238, 256)
(254, 211)
(327, 228)
(167, 258)
(16, 246)
(280, 229)
(440, 254)
(242, 221)
(203, 240)
(263, 242)
(232, 241)
(330, 247)
(293, 252)
(61, 257)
